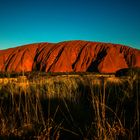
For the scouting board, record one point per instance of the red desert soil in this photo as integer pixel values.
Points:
(69, 56)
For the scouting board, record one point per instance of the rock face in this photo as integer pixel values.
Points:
(70, 56)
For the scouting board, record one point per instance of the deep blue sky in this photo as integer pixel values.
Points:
(30, 21)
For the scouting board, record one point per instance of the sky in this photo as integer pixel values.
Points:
(32, 21)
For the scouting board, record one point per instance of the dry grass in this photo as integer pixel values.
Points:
(70, 107)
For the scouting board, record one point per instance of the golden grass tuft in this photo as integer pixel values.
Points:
(114, 80)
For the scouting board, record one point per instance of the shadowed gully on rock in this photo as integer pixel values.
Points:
(69, 56)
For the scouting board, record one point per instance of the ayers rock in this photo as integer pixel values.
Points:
(69, 56)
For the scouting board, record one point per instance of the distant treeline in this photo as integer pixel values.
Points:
(38, 73)
(121, 72)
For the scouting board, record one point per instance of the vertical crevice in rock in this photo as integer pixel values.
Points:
(96, 61)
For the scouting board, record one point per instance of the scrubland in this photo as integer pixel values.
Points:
(70, 106)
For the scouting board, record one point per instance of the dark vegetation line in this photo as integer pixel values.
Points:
(38, 73)
(119, 73)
